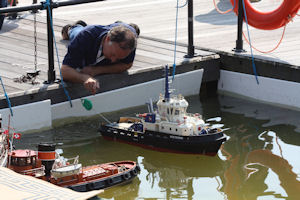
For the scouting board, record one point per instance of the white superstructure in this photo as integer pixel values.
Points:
(171, 117)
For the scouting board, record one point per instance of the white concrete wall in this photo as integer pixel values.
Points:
(40, 114)
(280, 92)
(28, 117)
(186, 84)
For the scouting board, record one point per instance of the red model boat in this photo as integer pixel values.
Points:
(48, 165)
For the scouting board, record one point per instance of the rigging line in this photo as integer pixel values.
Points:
(253, 64)
(283, 32)
(176, 23)
(223, 12)
(35, 42)
(176, 30)
(61, 78)
(7, 98)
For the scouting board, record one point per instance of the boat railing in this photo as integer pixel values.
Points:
(75, 160)
(194, 115)
(129, 119)
(34, 172)
(3, 153)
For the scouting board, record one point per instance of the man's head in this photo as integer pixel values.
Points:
(119, 43)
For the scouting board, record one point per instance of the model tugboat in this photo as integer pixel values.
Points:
(167, 128)
(4, 145)
(48, 165)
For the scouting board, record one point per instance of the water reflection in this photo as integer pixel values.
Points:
(259, 161)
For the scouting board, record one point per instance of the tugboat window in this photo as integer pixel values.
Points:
(171, 111)
(176, 112)
(13, 161)
(22, 162)
(170, 129)
(33, 160)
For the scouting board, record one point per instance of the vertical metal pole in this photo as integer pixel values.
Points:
(13, 16)
(51, 71)
(239, 41)
(191, 48)
(34, 10)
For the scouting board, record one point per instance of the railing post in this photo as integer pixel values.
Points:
(239, 42)
(191, 48)
(51, 71)
(34, 2)
(13, 16)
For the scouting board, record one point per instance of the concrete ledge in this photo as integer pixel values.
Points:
(266, 68)
(110, 82)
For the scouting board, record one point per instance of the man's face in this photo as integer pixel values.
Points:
(112, 51)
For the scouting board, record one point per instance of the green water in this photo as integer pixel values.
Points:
(261, 160)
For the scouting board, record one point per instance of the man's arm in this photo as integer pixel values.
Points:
(106, 69)
(70, 74)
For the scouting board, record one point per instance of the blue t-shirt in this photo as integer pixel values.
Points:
(83, 49)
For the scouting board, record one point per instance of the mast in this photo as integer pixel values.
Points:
(167, 92)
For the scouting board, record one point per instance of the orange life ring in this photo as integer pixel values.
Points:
(272, 19)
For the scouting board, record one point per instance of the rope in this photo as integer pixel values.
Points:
(253, 64)
(7, 98)
(47, 4)
(223, 12)
(283, 32)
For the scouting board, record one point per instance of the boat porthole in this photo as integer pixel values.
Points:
(134, 172)
(109, 181)
(90, 186)
(125, 176)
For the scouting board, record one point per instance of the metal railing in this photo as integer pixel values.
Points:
(48, 5)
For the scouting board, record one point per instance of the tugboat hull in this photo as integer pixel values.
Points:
(106, 182)
(208, 144)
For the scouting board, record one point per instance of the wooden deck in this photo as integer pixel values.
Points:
(156, 18)
(212, 30)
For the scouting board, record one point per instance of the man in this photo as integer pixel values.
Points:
(98, 50)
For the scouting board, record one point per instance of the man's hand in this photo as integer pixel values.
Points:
(91, 85)
(70, 74)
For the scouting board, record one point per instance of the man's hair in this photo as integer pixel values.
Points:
(136, 28)
(123, 36)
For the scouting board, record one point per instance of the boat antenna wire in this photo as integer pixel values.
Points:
(253, 63)
(47, 6)
(176, 30)
(7, 98)
(88, 105)
(176, 22)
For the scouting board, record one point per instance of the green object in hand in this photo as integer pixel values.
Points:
(87, 104)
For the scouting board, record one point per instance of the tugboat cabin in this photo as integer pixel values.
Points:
(25, 162)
